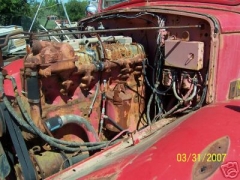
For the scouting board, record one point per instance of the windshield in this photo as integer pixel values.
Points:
(108, 3)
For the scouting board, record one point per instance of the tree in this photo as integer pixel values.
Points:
(11, 11)
(76, 9)
(51, 5)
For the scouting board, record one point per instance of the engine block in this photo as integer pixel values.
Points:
(99, 80)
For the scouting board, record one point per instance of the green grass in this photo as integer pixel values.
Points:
(42, 18)
(50, 25)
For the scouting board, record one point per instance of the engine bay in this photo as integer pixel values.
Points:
(126, 71)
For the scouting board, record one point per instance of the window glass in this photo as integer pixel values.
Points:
(108, 3)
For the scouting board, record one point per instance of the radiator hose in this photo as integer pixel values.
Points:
(57, 122)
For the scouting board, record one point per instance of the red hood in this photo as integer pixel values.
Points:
(156, 157)
(225, 4)
(222, 2)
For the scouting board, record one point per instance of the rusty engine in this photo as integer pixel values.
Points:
(80, 99)
(72, 99)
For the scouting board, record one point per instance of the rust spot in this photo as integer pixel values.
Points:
(209, 163)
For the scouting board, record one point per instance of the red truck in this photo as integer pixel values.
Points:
(148, 90)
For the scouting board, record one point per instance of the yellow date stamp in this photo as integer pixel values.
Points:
(195, 157)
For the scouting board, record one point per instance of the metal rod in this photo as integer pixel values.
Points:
(49, 33)
(108, 30)
(62, 31)
(35, 16)
(65, 11)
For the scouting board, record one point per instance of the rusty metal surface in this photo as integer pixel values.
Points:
(210, 159)
(154, 153)
(47, 163)
(118, 105)
(65, 78)
(35, 112)
(121, 152)
(68, 84)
